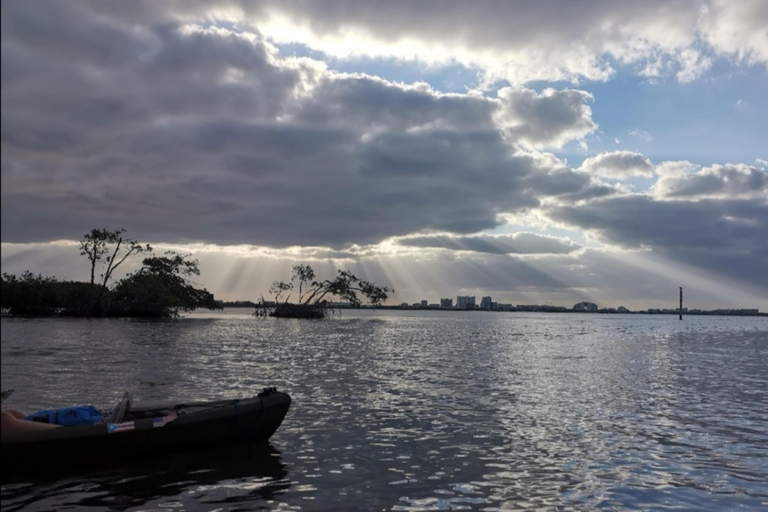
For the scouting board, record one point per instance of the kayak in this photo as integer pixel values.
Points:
(146, 430)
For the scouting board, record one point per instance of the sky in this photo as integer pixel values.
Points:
(537, 152)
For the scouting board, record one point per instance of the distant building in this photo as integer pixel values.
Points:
(404, 305)
(424, 303)
(585, 306)
(622, 309)
(465, 302)
(546, 308)
(486, 303)
(446, 303)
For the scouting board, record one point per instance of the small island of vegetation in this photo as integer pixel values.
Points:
(313, 296)
(160, 288)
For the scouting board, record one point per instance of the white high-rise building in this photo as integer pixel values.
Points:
(585, 306)
(465, 302)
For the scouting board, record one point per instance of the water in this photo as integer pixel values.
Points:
(421, 411)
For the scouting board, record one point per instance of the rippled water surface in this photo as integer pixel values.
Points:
(421, 411)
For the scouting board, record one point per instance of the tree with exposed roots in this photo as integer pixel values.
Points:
(314, 296)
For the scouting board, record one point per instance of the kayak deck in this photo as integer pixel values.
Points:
(147, 430)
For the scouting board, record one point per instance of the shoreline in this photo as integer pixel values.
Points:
(558, 311)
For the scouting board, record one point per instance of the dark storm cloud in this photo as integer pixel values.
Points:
(723, 237)
(191, 133)
(518, 243)
(370, 101)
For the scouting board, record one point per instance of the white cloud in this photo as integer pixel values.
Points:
(737, 28)
(618, 165)
(675, 169)
(731, 181)
(692, 64)
(542, 41)
(641, 134)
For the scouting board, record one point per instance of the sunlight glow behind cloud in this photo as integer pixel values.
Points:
(196, 127)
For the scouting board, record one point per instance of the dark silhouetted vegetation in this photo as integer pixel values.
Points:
(314, 296)
(160, 288)
(35, 295)
(238, 304)
(107, 249)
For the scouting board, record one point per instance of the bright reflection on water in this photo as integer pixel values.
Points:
(422, 411)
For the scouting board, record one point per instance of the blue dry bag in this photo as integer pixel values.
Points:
(68, 416)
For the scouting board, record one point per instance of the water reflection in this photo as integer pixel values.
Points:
(435, 411)
(225, 478)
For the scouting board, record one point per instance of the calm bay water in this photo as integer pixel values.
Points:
(421, 411)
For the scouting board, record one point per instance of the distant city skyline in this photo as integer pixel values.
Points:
(62, 260)
(468, 303)
(546, 152)
(488, 304)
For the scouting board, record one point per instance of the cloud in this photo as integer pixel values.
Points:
(517, 243)
(685, 63)
(618, 165)
(641, 134)
(737, 28)
(583, 39)
(692, 65)
(724, 237)
(729, 181)
(378, 106)
(675, 169)
(549, 119)
(638, 221)
(201, 133)
(537, 41)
